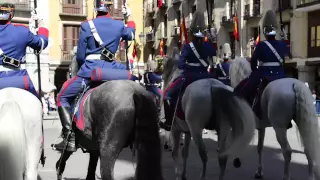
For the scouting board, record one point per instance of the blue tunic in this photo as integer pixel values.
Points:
(111, 32)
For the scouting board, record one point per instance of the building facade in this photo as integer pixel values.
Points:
(299, 17)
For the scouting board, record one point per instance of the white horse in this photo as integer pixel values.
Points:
(20, 134)
(283, 100)
(208, 103)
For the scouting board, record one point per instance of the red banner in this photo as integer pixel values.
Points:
(183, 32)
(236, 28)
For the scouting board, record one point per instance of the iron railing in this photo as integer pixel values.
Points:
(67, 52)
(72, 7)
(150, 37)
(175, 31)
(302, 3)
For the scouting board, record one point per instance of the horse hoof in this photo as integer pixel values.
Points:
(258, 175)
(237, 163)
(59, 177)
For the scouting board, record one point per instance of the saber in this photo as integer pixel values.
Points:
(37, 53)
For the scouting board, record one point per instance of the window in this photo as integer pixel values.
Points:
(73, 7)
(178, 18)
(314, 34)
(70, 39)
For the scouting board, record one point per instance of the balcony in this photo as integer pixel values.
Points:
(305, 3)
(22, 8)
(72, 8)
(176, 2)
(286, 4)
(67, 52)
(150, 37)
(175, 31)
(150, 8)
(225, 19)
(255, 11)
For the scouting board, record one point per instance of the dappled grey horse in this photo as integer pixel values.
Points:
(284, 100)
(207, 103)
(118, 114)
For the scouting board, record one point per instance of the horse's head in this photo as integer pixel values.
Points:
(239, 70)
(73, 67)
(170, 67)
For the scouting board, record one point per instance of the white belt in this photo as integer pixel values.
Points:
(9, 68)
(270, 64)
(223, 77)
(194, 64)
(94, 57)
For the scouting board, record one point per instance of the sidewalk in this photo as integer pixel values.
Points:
(53, 115)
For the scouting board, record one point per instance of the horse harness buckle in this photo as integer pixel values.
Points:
(107, 54)
(9, 60)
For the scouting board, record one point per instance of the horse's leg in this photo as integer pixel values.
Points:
(175, 135)
(61, 164)
(197, 138)
(261, 134)
(110, 148)
(310, 165)
(94, 157)
(185, 154)
(286, 150)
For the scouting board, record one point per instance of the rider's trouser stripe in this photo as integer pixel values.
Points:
(64, 88)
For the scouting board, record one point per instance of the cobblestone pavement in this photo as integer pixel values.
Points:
(124, 169)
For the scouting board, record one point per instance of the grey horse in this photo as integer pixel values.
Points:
(207, 104)
(283, 100)
(118, 114)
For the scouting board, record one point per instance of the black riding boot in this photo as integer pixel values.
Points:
(168, 113)
(67, 133)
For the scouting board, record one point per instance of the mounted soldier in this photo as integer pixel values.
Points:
(267, 60)
(98, 42)
(14, 41)
(222, 69)
(153, 76)
(193, 62)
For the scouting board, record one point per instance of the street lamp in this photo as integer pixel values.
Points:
(141, 38)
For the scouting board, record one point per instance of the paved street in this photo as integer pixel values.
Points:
(124, 169)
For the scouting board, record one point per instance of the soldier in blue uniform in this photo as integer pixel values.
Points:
(14, 39)
(98, 42)
(194, 63)
(267, 59)
(153, 76)
(222, 69)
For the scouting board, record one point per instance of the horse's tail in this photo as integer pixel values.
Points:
(306, 121)
(238, 114)
(12, 142)
(147, 138)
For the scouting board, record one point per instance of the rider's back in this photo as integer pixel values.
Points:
(108, 29)
(15, 39)
(264, 53)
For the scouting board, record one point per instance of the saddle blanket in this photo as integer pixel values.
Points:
(78, 110)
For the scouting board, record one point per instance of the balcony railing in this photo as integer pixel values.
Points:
(255, 11)
(150, 37)
(73, 8)
(175, 2)
(226, 19)
(304, 3)
(21, 5)
(150, 7)
(67, 52)
(175, 31)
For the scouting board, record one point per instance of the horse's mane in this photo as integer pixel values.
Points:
(239, 70)
(170, 67)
